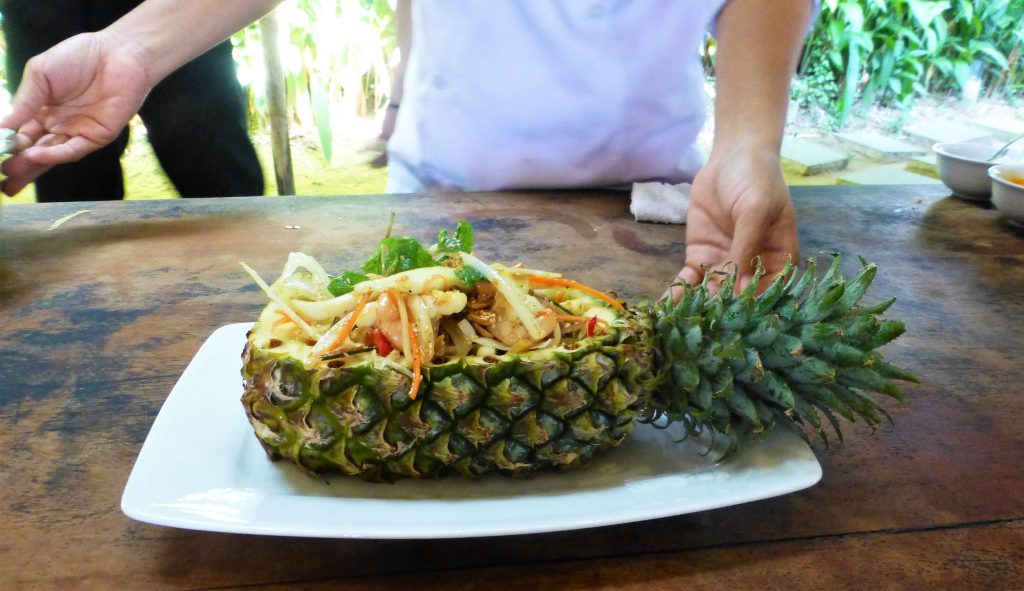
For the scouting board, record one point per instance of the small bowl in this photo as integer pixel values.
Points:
(1008, 196)
(963, 167)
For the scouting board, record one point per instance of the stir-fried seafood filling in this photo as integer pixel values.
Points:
(457, 307)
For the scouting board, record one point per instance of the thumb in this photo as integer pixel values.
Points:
(30, 98)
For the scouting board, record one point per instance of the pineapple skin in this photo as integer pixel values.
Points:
(514, 414)
(721, 364)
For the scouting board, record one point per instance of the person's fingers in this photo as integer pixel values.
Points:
(12, 187)
(19, 172)
(30, 97)
(50, 139)
(22, 111)
(691, 275)
(59, 149)
(19, 142)
(775, 263)
(748, 238)
(28, 135)
(51, 149)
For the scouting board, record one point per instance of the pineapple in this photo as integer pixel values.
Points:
(430, 362)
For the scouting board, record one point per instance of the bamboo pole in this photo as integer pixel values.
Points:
(277, 107)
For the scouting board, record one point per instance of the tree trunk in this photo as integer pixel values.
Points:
(277, 107)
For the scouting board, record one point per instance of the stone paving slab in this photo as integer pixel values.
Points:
(935, 131)
(885, 175)
(925, 165)
(1002, 127)
(880, 147)
(805, 157)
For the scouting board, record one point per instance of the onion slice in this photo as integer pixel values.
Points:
(403, 315)
(470, 333)
(460, 341)
(306, 328)
(526, 271)
(301, 260)
(515, 297)
(422, 280)
(424, 327)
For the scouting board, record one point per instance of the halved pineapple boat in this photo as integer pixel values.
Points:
(429, 361)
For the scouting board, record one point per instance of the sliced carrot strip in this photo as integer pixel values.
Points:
(284, 319)
(417, 360)
(403, 314)
(562, 282)
(347, 329)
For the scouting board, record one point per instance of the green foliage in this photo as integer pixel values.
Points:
(345, 283)
(337, 58)
(322, 117)
(469, 276)
(460, 241)
(887, 52)
(396, 254)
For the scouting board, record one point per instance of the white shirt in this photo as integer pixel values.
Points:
(550, 93)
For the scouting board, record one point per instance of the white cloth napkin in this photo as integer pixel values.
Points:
(660, 202)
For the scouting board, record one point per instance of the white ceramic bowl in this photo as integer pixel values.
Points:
(1008, 196)
(963, 167)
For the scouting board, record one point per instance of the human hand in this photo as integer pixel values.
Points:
(380, 144)
(740, 209)
(73, 99)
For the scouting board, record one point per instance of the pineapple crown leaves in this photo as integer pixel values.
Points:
(733, 363)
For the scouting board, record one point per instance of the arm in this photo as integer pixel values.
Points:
(76, 97)
(740, 206)
(170, 33)
(403, 30)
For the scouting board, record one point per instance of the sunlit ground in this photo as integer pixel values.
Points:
(348, 173)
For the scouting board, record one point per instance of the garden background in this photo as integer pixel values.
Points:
(874, 67)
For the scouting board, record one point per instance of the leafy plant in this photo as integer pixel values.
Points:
(337, 58)
(889, 52)
(816, 90)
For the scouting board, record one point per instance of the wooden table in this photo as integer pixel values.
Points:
(99, 317)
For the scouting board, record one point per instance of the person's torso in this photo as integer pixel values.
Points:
(567, 93)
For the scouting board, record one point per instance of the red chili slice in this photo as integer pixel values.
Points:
(591, 325)
(381, 342)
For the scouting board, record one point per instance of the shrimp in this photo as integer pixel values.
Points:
(415, 281)
(509, 329)
(426, 311)
(389, 318)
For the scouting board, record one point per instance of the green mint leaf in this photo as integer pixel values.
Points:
(461, 241)
(397, 254)
(345, 282)
(469, 276)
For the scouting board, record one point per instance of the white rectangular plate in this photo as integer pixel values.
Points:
(201, 467)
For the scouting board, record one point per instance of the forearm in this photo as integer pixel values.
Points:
(170, 33)
(758, 47)
(403, 30)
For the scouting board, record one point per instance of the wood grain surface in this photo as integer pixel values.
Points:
(100, 316)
